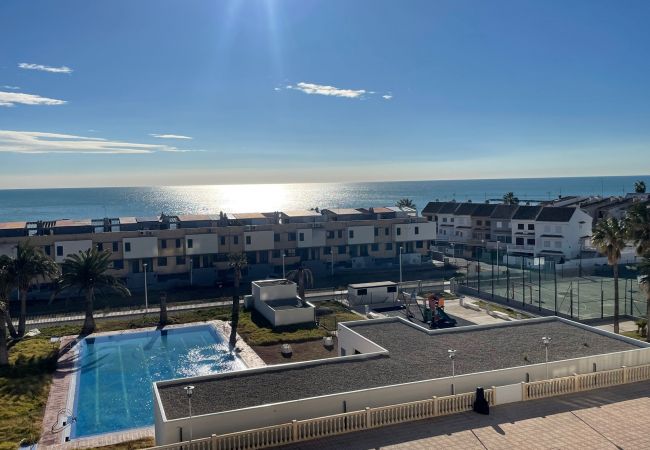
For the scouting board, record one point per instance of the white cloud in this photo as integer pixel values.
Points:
(11, 98)
(320, 89)
(42, 68)
(387, 96)
(170, 136)
(35, 142)
(10, 87)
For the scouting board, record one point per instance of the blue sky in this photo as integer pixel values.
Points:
(298, 90)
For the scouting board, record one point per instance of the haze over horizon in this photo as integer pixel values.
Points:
(167, 93)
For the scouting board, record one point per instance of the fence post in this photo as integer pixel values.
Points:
(576, 382)
(436, 408)
(213, 442)
(494, 395)
(368, 418)
(294, 431)
(625, 374)
(524, 391)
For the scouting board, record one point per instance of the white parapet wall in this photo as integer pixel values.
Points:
(274, 289)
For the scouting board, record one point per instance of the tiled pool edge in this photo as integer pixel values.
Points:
(61, 395)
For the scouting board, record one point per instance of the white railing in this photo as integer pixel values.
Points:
(320, 427)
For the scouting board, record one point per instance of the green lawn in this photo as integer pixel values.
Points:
(25, 384)
(504, 309)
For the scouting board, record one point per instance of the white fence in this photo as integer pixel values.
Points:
(320, 427)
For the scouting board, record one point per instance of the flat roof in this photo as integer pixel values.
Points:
(414, 354)
(301, 213)
(12, 225)
(126, 220)
(73, 223)
(375, 284)
(255, 215)
(192, 217)
(343, 211)
(276, 282)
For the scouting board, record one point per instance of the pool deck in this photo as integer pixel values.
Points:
(61, 390)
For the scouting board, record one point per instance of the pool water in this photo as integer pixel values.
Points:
(114, 384)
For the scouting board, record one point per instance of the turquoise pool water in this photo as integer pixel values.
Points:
(114, 382)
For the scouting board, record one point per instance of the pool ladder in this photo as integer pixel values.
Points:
(64, 419)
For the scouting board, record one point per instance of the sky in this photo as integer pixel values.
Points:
(159, 92)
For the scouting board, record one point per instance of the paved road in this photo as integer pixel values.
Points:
(603, 419)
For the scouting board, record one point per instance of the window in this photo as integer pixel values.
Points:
(547, 244)
(180, 260)
(520, 226)
(118, 264)
(276, 237)
(519, 241)
(558, 244)
(100, 247)
(487, 223)
(330, 234)
(547, 228)
(419, 244)
(340, 234)
(235, 240)
(531, 241)
(222, 240)
(127, 247)
(451, 220)
(362, 291)
(444, 219)
(190, 243)
(399, 231)
(389, 246)
(351, 234)
(479, 222)
(417, 230)
(162, 261)
(386, 231)
(391, 289)
(115, 246)
(301, 237)
(374, 247)
(178, 243)
(163, 243)
(327, 250)
(46, 249)
(248, 240)
(531, 226)
(277, 254)
(558, 229)
(342, 250)
(499, 224)
(292, 236)
(291, 252)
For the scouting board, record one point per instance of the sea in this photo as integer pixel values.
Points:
(88, 203)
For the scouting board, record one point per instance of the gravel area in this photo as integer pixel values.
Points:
(413, 355)
(417, 316)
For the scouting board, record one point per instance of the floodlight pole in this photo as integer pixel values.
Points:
(189, 390)
(452, 356)
(401, 250)
(546, 341)
(284, 275)
(146, 297)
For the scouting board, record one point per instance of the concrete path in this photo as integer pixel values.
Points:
(613, 418)
(453, 308)
(624, 326)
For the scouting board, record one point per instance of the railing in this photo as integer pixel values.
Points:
(320, 427)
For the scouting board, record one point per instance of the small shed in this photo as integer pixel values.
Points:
(372, 293)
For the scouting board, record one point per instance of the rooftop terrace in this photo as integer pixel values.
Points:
(413, 354)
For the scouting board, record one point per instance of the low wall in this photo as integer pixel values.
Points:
(295, 315)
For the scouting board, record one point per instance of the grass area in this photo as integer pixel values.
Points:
(24, 387)
(504, 309)
(635, 335)
(339, 313)
(131, 445)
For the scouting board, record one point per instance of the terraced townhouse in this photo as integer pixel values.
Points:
(181, 249)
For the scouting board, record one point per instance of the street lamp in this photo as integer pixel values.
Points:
(191, 271)
(546, 340)
(146, 298)
(284, 275)
(332, 257)
(401, 250)
(452, 356)
(189, 390)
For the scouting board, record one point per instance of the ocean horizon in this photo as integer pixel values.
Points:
(85, 203)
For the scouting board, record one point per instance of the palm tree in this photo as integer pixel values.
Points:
(609, 238)
(29, 265)
(7, 283)
(86, 271)
(510, 199)
(405, 203)
(639, 187)
(638, 225)
(237, 263)
(304, 277)
(644, 284)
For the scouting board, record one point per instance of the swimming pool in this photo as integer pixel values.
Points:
(113, 389)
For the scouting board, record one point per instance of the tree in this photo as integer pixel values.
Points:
(637, 222)
(86, 272)
(7, 283)
(304, 277)
(510, 199)
(237, 263)
(29, 265)
(644, 284)
(405, 203)
(639, 187)
(163, 309)
(609, 238)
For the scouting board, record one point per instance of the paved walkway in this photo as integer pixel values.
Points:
(603, 419)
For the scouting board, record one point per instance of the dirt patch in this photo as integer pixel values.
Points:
(302, 351)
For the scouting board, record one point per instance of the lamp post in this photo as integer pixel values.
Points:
(332, 257)
(189, 390)
(401, 250)
(452, 356)
(146, 298)
(284, 275)
(546, 341)
(191, 270)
